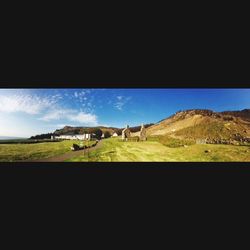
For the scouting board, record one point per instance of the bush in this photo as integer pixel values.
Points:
(42, 136)
(97, 132)
(107, 134)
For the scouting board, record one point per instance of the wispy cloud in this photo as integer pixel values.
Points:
(30, 104)
(84, 118)
(70, 115)
(55, 114)
(121, 102)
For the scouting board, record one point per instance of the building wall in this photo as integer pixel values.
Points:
(74, 137)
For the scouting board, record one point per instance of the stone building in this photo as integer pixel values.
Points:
(125, 133)
(143, 136)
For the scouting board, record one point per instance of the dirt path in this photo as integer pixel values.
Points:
(69, 155)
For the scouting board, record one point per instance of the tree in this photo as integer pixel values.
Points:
(107, 134)
(42, 136)
(97, 132)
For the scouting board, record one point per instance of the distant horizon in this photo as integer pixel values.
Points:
(28, 112)
(2, 137)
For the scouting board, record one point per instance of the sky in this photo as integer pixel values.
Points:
(27, 112)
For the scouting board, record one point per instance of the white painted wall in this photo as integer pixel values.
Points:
(74, 137)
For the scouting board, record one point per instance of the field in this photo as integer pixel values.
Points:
(114, 150)
(18, 152)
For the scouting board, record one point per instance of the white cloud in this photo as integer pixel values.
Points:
(121, 102)
(82, 93)
(70, 115)
(84, 118)
(33, 105)
(56, 114)
(56, 97)
(119, 105)
(26, 103)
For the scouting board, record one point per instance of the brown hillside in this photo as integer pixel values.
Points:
(205, 124)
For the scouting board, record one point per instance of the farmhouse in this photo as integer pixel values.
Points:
(75, 137)
(115, 135)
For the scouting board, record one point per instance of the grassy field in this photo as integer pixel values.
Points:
(17, 152)
(114, 150)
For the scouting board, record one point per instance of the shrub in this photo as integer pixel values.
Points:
(107, 134)
(42, 136)
(97, 132)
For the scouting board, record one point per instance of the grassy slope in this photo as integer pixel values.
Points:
(213, 129)
(114, 150)
(15, 152)
(201, 127)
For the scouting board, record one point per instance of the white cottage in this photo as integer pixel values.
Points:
(74, 137)
(115, 135)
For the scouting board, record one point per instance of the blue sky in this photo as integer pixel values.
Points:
(27, 112)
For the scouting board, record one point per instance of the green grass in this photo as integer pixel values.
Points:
(17, 152)
(113, 150)
(173, 142)
(26, 141)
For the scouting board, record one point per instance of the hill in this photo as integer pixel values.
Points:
(68, 130)
(205, 126)
(78, 130)
(196, 125)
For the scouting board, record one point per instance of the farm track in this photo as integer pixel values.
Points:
(69, 155)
